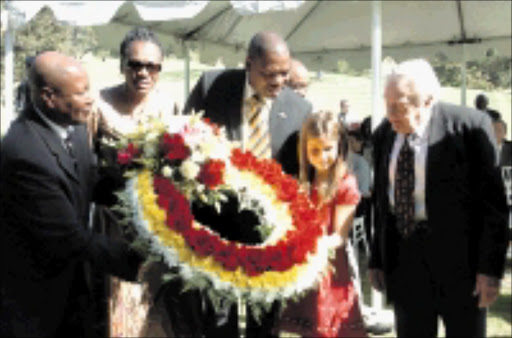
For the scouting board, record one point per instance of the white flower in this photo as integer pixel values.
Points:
(189, 169)
(167, 171)
(150, 150)
(151, 136)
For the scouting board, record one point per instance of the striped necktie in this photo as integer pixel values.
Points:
(258, 141)
(404, 190)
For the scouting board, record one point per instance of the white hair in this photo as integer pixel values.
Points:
(421, 73)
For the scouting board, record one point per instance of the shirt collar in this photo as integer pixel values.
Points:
(61, 132)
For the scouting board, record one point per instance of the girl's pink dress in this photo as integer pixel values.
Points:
(332, 310)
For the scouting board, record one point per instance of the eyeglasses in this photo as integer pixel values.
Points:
(150, 67)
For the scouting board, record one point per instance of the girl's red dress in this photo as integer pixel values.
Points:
(331, 310)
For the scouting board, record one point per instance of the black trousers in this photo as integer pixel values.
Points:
(421, 295)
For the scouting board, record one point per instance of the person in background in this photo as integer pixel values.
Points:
(121, 109)
(481, 102)
(47, 177)
(299, 77)
(440, 211)
(22, 92)
(232, 98)
(361, 169)
(504, 147)
(333, 309)
(346, 116)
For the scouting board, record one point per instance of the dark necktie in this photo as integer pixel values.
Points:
(258, 141)
(68, 144)
(404, 189)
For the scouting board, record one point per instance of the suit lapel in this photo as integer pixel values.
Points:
(278, 120)
(54, 144)
(234, 105)
(389, 140)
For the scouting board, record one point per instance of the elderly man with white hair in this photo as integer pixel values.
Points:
(440, 212)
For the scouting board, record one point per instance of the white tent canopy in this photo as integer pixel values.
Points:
(318, 32)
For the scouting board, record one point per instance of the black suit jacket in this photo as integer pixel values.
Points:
(465, 199)
(45, 242)
(506, 154)
(220, 94)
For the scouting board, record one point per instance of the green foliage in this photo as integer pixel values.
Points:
(491, 72)
(43, 33)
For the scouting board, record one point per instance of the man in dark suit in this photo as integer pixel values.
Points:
(504, 147)
(440, 212)
(46, 180)
(227, 98)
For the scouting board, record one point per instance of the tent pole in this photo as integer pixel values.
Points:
(186, 52)
(8, 112)
(463, 74)
(376, 61)
(377, 301)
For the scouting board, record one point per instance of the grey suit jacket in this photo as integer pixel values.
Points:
(219, 94)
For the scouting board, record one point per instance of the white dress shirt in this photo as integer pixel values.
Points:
(419, 143)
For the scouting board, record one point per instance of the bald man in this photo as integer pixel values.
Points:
(231, 99)
(46, 181)
(299, 77)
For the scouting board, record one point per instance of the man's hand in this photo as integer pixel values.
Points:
(487, 288)
(376, 277)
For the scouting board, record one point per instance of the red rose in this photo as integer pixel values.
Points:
(179, 216)
(124, 157)
(133, 150)
(242, 160)
(201, 241)
(174, 148)
(227, 256)
(287, 189)
(212, 173)
(254, 264)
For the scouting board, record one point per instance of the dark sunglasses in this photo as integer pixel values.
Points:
(150, 67)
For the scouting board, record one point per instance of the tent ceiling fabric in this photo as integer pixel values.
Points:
(318, 32)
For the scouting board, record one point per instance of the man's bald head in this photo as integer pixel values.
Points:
(59, 87)
(263, 43)
(51, 69)
(299, 77)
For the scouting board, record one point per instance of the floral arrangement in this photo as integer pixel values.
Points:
(175, 172)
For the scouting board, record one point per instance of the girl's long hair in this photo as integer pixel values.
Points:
(322, 124)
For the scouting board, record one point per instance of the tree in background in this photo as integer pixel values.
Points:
(43, 33)
(489, 73)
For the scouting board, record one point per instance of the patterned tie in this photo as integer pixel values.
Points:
(68, 144)
(404, 190)
(258, 141)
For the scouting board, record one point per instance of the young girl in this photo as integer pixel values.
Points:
(332, 310)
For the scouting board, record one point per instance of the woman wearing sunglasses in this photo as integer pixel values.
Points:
(120, 110)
